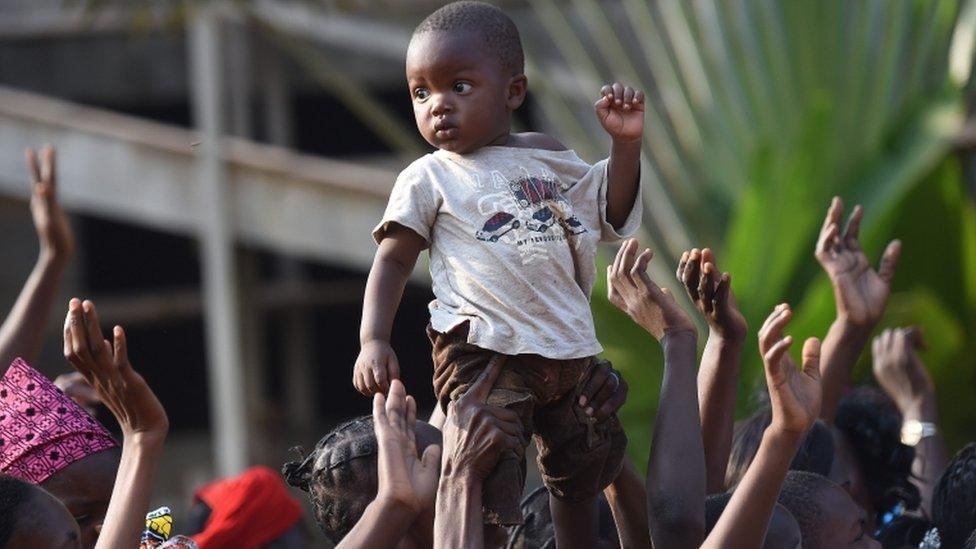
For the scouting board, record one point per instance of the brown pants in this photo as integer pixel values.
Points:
(578, 458)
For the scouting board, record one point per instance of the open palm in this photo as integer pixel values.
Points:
(794, 394)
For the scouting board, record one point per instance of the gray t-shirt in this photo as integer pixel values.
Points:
(513, 234)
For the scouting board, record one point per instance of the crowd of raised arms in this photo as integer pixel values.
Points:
(820, 463)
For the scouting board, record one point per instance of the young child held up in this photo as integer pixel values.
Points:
(511, 222)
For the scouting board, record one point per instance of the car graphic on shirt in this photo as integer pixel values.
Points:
(541, 220)
(572, 225)
(531, 191)
(497, 226)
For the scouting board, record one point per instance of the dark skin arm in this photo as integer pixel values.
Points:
(676, 466)
(795, 396)
(860, 293)
(377, 364)
(903, 376)
(628, 503)
(621, 112)
(721, 362)
(22, 331)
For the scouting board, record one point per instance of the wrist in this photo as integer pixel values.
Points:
(48, 257)
(920, 408)
(853, 327)
(367, 339)
(679, 337)
(390, 508)
(618, 142)
(459, 474)
(781, 436)
(727, 339)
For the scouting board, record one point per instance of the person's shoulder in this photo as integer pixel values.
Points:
(421, 168)
(538, 140)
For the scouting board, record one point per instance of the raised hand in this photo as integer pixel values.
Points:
(899, 370)
(860, 292)
(711, 293)
(795, 395)
(477, 435)
(633, 292)
(106, 367)
(376, 367)
(621, 112)
(50, 221)
(403, 477)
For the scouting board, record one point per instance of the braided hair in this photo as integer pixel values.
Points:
(954, 500)
(339, 475)
(871, 424)
(14, 493)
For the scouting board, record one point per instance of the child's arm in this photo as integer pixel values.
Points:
(377, 364)
(860, 294)
(902, 374)
(621, 112)
(795, 400)
(406, 484)
(721, 361)
(676, 466)
(140, 415)
(476, 436)
(23, 330)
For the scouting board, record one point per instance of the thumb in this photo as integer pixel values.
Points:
(889, 260)
(432, 457)
(811, 357)
(393, 367)
(120, 346)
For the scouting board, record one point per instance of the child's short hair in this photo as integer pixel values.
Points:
(954, 499)
(14, 493)
(798, 495)
(339, 475)
(497, 29)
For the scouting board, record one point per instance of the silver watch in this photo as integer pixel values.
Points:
(913, 431)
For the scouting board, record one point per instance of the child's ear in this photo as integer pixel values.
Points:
(517, 86)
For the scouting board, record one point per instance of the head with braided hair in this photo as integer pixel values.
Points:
(870, 448)
(340, 474)
(954, 500)
(31, 517)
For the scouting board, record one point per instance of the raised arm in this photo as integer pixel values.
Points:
(406, 483)
(377, 364)
(140, 415)
(621, 112)
(860, 293)
(718, 376)
(676, 466)
(22, 331)
(476, 435)
(903, 376)
(795, 397)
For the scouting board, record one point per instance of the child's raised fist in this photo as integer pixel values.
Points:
(376, 367)
(621, 112)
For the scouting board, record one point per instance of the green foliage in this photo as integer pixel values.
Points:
(758, 113)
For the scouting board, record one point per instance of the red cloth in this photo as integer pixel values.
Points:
(249, 510)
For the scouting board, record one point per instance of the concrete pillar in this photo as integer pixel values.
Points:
(228, 421)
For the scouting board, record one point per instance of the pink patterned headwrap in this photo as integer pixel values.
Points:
(42, 430)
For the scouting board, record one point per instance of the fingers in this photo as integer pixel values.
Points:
(604, 393)
(369, 380)
(827, 240)
(834, 213)
(396, 404)
(916, 336)
(889, 261)
(486, 380)
(379, 409)
(707, 286)
(614, 402)
(772, 329)
(432, 457)
(47, 165)
(811, 357)
(80, 354)
(598, 375)
(120, 346)
(32, 166)
(774, 356)
(638, 273)
(506, 420)
(618, 94)
(380, 377)
(96, 341)
(853, 228)
(393, 367)
(692, 274)
(721, 297)
(682, 263)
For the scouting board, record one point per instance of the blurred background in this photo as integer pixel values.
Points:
(224, 163)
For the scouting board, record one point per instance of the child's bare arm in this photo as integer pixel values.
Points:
(23, 329)
(628, 503)
(140, 415)
(676, 466)
(795, 397)
(718, 376)
(621, 112)
(377, 364)
(860, 293)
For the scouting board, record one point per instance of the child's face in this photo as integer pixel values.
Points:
(844, 522)
(462, 96)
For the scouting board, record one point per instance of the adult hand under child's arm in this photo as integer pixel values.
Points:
(621, 112)
(795, 397)
(476, 435)
(140, 415)
(903, 376)
(676, 466)
(23, 329)
(407, 483)
(377, 364)
(721, 362)
(860, 293)
(628, 503)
